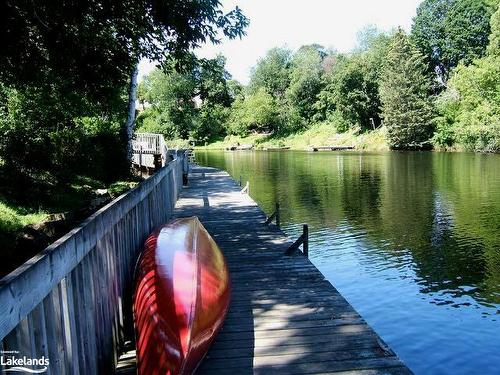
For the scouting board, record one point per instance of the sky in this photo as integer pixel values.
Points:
(293, 23)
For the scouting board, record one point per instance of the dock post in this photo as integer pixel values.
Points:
(185, 168)
(140, 161)
(240, 180)
(246, 189)
(305, 236)
(277, 215)
(302, 240)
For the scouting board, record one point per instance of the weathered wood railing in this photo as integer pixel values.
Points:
(274, 216)
(149, 150)
(302, 240)
(69, 303)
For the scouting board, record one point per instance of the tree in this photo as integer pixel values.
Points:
(213, 82)
(494, 39)
(257, 112)
(367, 37)
(76, 59)
(193, 104)
(102, 41)
(305, 81)
(235, 89)
(171, 96)
(351, 85)
(470, 107)
(214, 93)
(404, 91)
(128, 129)
(272, 73)
(450, 31)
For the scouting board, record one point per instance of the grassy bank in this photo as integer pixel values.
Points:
(13, 218)
(317, 135)
(44, 214)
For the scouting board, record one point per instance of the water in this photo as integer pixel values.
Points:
(412, 240)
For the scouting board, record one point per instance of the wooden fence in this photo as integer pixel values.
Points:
(72, 302)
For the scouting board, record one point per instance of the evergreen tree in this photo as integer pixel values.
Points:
(404, 92)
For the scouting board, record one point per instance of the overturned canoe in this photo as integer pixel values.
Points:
(181, 298)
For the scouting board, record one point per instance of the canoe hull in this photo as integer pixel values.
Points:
(181, 298)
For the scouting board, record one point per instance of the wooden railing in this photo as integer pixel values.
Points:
(71, 303)
(149, 143)
(149, 150)
(302, 240)
(276, 215)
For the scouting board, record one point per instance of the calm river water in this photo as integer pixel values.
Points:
(412, 240)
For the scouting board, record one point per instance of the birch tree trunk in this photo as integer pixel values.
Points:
(129, 124)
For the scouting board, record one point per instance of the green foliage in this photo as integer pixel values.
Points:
(450, 31)
(117, 188)
(14, 218)
(216, 97)
(318, 134)
(43, 130)
(193, 104)
(172, 109)
(470, 107)
(404, 91)
(272, 73)
(64, 71)
(494, 44)
(213, 82)
(210, 123)
(257, 112)
(352, 91)
(351, 84)
(305, 81)
(91, 47)
(235, 89)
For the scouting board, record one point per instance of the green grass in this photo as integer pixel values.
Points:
(177, 143)
(322, 134)
(34, 207)
(232, 140)
(14, 218)
(119, 187)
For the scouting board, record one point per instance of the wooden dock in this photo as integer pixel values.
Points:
(284, 316)
(329, 148)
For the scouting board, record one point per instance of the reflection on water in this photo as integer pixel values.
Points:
(411, 239)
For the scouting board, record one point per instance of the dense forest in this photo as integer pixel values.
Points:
(436, 87)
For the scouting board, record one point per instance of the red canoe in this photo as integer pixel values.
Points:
(181, 298)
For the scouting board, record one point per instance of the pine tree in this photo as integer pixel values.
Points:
(407, 107)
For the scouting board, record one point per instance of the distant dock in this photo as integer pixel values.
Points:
(329, 148)
(284, 318)
(239, 148)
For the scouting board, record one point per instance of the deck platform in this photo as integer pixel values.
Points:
(284, 317)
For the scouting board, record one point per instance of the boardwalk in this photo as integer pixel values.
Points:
(284, 316)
